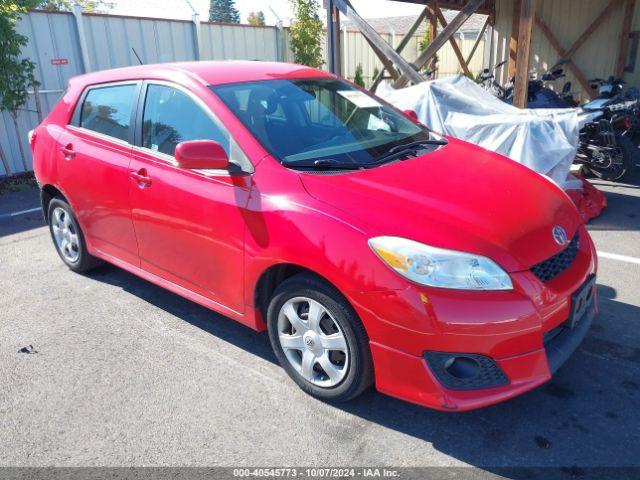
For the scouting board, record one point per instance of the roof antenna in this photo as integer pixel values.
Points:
(137, 56)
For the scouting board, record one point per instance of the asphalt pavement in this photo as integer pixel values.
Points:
(106, 369)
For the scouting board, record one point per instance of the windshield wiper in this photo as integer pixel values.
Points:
(418, 143)
(324, 164)
(401, 150)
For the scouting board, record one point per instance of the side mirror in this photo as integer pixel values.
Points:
(412, 115)
(201, 155)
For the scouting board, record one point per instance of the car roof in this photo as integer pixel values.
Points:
(207, 72)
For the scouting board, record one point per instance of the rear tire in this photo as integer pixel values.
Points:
(629, 153)
(338, 373)
(68, 237)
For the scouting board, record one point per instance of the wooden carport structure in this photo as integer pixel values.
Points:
(521, 16)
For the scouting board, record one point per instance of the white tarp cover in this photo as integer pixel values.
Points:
(545, 140)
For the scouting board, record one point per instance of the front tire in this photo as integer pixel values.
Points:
(623, 165)
(68, 237)
(319, 339)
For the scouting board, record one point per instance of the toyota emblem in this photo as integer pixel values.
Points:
(559, 235)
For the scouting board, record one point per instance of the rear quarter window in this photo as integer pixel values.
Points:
(107, 110)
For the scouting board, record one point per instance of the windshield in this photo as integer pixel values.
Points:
(302, 122)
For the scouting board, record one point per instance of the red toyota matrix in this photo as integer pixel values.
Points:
(373, 250)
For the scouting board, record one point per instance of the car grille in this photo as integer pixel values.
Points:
(556, 265)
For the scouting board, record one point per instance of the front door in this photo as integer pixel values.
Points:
(94, 153)
(189, 224)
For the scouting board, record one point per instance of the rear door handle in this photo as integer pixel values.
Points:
(141, 178)
(68, 151)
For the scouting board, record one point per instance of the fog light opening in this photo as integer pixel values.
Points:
(462, 367)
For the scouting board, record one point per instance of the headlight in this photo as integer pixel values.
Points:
(437, 267)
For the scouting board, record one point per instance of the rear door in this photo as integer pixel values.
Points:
(189, 223)
(94, 154)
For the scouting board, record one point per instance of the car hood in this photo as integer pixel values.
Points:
(459, 197)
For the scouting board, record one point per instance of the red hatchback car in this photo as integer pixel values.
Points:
(372, 249)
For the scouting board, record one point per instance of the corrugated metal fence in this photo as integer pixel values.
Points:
(55, 40)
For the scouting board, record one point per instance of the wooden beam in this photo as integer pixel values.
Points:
(513, 42)
(477, 41)
(388, 64)
(438, 42)
(408, 71)
(623, 49)
(454, 44)
(525, 28)
(403, 43)
(584, 82)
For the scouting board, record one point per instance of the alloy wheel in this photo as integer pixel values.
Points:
(65, 235)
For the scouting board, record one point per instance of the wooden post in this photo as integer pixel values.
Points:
(513, 42)
(525, 28)
(623, 49)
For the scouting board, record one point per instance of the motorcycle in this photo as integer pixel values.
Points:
(609, 140)
(608, 124)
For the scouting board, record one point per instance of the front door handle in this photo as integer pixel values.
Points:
(68, 151)
(141, 178)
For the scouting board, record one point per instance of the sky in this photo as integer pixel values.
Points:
(180, 9)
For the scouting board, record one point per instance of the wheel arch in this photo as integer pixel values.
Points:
(47, 193)
(277, 273)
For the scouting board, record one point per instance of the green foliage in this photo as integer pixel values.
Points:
(88, 6)
(224, 11)
(425, 41)
(357, 79)
(376, 72)
(256, 18)
(307, 33)
(17, 73)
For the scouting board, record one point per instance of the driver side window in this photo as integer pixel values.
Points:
(171, 116)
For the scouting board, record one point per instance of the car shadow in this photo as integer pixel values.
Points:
(585, 417)
(211, 322)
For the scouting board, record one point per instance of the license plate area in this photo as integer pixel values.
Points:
(582, 301)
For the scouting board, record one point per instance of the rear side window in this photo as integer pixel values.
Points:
(107, 110)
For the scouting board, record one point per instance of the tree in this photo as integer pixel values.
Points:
(357, 79)
(88, 6)
(256, 18)
(17, 73)
(306, 33)
(224, 11)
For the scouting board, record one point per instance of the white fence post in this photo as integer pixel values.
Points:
(197, 39)
(82, 38)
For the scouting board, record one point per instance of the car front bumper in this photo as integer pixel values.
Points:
(525, 332)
